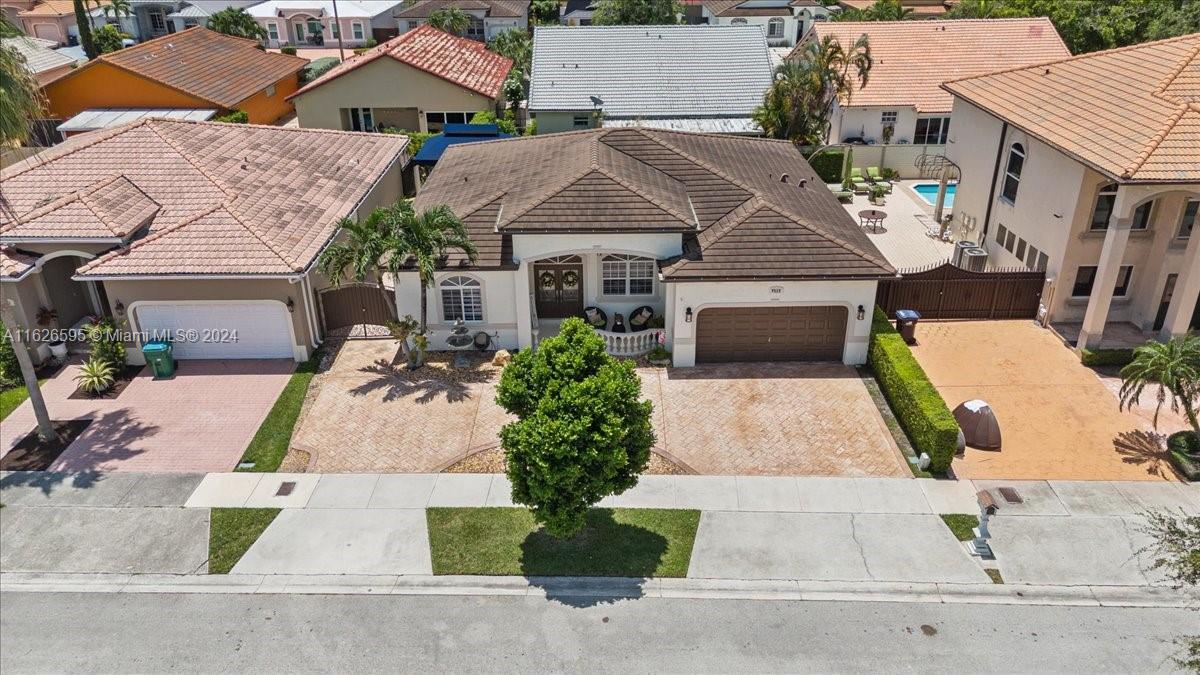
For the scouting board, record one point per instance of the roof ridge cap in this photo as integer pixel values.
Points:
(751, 206)
(697, 161)
(552, 193)
(153, 236)
(629, 186)
(196, 165)
(1155, 141)
(87, 140)
(86, 197)
(1170, 79)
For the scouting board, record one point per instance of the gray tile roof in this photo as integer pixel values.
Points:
(39, 54)
(650, 71)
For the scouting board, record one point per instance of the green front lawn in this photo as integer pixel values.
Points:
(12, 397)
(231, 532)
(615, 543)
(270, 445)
(961, 524)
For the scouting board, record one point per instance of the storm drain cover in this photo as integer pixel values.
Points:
(286, 488)
(1010, 495)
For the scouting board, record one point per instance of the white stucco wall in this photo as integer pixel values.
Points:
(702, 295)
(499, 306)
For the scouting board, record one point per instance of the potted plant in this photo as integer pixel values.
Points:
(96, 376)
(402, 330)
(877, 195)
(659, 356)
(890, 175)
(46, 316)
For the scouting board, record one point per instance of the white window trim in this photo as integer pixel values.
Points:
(1015, 148)
(357, 31)
(273, 31)
(1103, 190)
(624, 259)
(1183, 214)
(771, 23)
(482, 297)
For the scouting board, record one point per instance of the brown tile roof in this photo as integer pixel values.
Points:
(14, 264)
(920, 8)
(1133, 112)
(220, 69)
(421, 9)
(231, 198)
(110, 208)
(51, 8)
(724, 193)
(914, 58)
(467, 63)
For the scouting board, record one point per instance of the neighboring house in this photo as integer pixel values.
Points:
(783, 21)
(11, 8)
(689, 78)
(418, 81)
(577, 12)
(204, 230)
(198, 12)
(194, 69)
(489, 18)
(41, 58)
(94, 120)
(311, 23)
(734, 241)
(921, 9)
(1089, 168)
(903, 103)
(150, 18)
(52, 20)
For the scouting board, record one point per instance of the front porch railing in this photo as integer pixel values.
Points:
(629, 344)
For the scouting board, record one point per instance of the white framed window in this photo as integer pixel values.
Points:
(1106, 198)
(273, 31)
(738, 22)
(1189, 219)
(299, 28)
(335, 29)
(626, 275)
(581, 121)
(474, 28)
(775, 28)
(270, 91)
(1141, 216)
(931, 131)
(462, 298)
(361, 119)
(435, 121)
(356, 29)
(413, 24)
(1012, 172)
(888, 116)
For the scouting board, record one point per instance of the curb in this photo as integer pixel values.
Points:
(616, 588)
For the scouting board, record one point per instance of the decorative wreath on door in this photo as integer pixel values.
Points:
(570, 278)
(546, 279)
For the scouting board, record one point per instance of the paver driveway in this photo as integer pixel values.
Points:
(795, 419)
(200, 420)
(1057, 418)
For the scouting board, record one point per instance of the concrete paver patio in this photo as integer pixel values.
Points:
(198, 421)
(368, 415)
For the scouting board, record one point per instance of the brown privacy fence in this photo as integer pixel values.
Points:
(354, 304)
(945, 291)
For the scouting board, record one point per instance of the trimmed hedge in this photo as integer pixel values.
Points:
(918, 406)
(828, 166)
(1094, 358)
(1184, 448)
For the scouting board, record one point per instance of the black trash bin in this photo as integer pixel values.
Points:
(906, 324)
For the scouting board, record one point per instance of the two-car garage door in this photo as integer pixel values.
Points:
(770, 334)
(220, 330)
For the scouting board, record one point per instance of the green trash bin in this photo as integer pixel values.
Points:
(158, 355)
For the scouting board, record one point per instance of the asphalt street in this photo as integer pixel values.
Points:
(98, 632)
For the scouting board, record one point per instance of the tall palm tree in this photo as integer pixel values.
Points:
(83, 21)
(450, 19)
(366, 253)
(21, 99)
(424, 239)
(800, 101)
(116, 8)
(1172, 366)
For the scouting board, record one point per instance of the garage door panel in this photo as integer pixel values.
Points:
(220, 330)
(771, 334)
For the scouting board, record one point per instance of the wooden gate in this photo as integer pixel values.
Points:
(948, 292)
(355, 304)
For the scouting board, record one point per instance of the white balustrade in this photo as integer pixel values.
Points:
(629, 344)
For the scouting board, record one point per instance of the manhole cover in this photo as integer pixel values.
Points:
(1010, 495)
(285, 488)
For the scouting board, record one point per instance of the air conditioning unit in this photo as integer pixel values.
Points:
(959, 247)
(974, 259)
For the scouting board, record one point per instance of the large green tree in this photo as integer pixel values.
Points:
(450, 19)
(882, 10)
(1172, 368)
(582, 431)
(636, 12)
(516, 45)
(237, 22)
(83, 22)
(108, 38)
(799, 102)
(544, 12)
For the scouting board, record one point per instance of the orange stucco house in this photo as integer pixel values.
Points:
(195, 68)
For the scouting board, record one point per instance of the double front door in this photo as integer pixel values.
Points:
(559, 288)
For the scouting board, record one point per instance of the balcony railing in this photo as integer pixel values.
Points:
(629, 344)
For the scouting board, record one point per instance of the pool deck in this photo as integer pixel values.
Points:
(904, 238)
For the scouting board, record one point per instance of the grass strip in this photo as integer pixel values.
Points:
(231, 532)
(614, 543)
(13, 397)
(962, 525)
(270, 444)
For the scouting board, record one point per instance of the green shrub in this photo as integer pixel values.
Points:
(317, 68)
(918, 406)
(233, 117)
(828, 166)
(288, 49)
(531, 128)
(507, 123)
(1094, 358)
(96, 376)
(1184, 451)
(105, 343)
(415, 138)
(10, 369)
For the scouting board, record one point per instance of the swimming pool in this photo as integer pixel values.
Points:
(928, 192)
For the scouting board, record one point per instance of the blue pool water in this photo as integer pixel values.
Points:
(928, 192)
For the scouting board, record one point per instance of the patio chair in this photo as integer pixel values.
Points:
(876, 177)
(842, 195)
(639, 319)
(861, 186)
(595, 317)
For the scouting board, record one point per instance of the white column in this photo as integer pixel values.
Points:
(1105, 282)
(521, 298)
(1187, 290)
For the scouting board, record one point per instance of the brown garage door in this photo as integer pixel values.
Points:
(770, 334)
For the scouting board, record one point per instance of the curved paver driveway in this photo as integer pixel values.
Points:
(765, 419)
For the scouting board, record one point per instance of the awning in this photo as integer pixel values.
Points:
(454, 134)
(90, 120)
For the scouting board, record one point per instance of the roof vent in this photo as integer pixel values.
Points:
(803, 182)
(1046, 71)
(783, 178)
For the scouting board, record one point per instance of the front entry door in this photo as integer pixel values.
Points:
(559, 290)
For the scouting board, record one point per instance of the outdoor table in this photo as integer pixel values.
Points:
(872, 218)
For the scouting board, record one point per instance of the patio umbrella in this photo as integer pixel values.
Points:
(978, 424)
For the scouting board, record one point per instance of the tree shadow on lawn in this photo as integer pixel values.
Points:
(1145, 448)
(607, 560)
(426, 383)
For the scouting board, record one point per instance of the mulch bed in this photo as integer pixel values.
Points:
(114, 391)
(31, 454)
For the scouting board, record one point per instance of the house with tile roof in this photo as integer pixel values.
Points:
(783, 21)
(41, 59)
(488, 18)
(689, 78)
(194, 69)
(921, 9)
(204, 232)
(1089, 168)
(733, 241)
(198, 12)
(319, 23)
(902, 103)
(52, 20)
(419, 81)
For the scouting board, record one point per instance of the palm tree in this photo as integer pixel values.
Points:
(1174, 366)
(365, 255)
(237, 22)
(424, 240)
(21, 99)
(882, 10)
(450, 19)
(116, 8)
(800, 101)
(83, 21)
(45, 427)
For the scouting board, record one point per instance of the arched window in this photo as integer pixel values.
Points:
(627, 275)
(775, 28)
(738, 22)
(1012, 173)
(1106, 200)
(462, 298)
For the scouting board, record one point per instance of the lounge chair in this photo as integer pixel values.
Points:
(842, 195)
(639, 319)
(861, 186)
(595, 317)
(876, 177)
